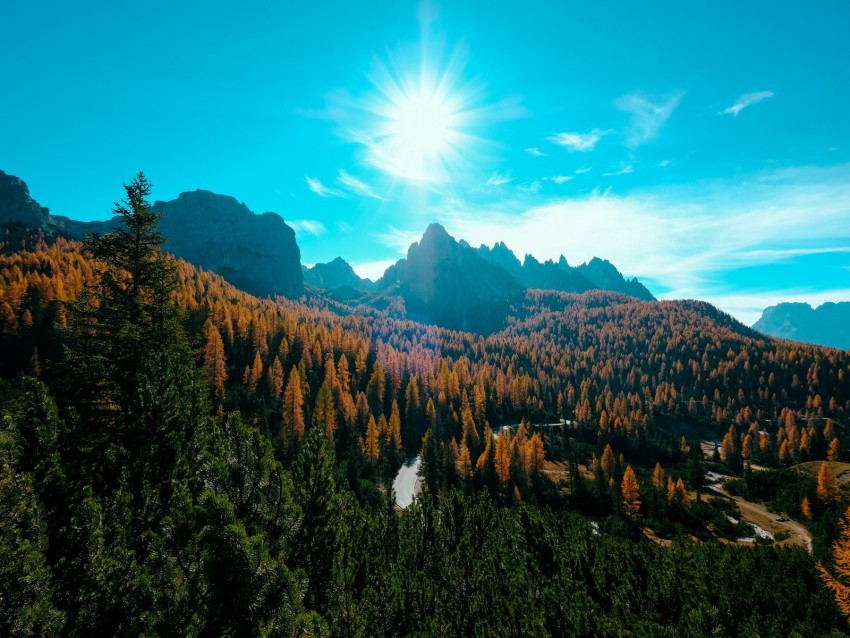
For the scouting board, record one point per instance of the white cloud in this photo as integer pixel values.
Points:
(581, 142)
(344, 227)
(500, 179)
(625, 170)
(356, 186)
(664, 163)
(747, 99)
(559, 179)
(310, 226)
(648, 116)
(320, 189)
(582, 171)
(373, 270)
(534, 152)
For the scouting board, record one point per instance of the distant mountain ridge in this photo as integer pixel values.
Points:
(336, 274)
(827, 325)
(549, 275)
(442, 281)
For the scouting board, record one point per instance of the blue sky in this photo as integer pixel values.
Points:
(703, 147)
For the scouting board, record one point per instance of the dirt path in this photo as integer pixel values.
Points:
(757, 514)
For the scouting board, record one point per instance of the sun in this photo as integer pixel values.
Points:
(423, 126)
(418, 132)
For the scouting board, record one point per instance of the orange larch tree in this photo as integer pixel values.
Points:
(827, 485)
(838, 583)
(631, 493)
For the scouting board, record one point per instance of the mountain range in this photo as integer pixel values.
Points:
(826, 325)
(441, 281)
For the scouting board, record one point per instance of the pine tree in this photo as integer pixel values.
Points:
(630, 493)
(124, 322)
(696, 472)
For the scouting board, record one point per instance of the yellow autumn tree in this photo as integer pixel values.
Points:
(275, 378)
(215, 370)
(838, 583)
(827, 485)
(631, 493)
(293, 408)
(394, 426)
(534, 454)
(833, 450)
(658, 477)
(369, 444)
(254, 372)
(806, 506)
(607, 462)
(502, 459)
(487, 457)
(463, 464)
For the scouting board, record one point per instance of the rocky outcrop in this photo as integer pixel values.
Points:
(605, 276)
(16, 205)
(449, 284)
(257, 253)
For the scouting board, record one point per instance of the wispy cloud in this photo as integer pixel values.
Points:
(310, 226)
(582, 171)
(399, 240)
(500, 179)
(530, 187)
(664, 163)
(648, 115)
(580, 142)
(534, 152)
(763, 255)
(559, 179)
(625, 170)
(747, 99)
(356, 186)
(315, 185)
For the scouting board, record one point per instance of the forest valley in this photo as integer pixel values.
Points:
(178, 457)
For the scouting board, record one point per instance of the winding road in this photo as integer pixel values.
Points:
(405, 482)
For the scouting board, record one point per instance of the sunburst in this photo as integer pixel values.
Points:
(419, 132)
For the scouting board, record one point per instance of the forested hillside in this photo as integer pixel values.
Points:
(181, 458)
